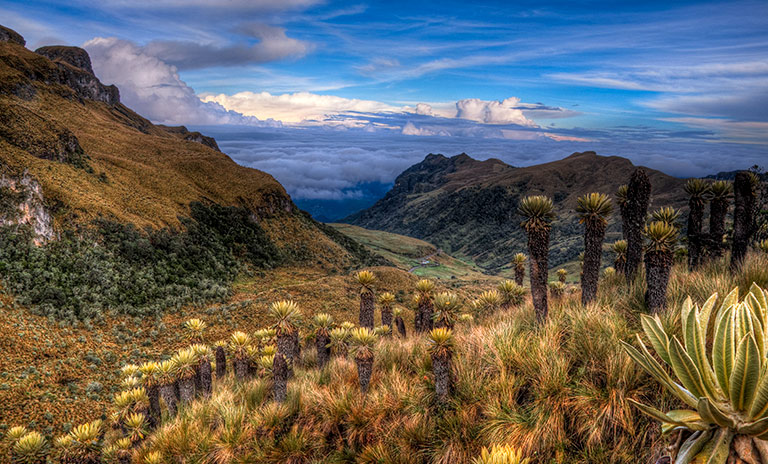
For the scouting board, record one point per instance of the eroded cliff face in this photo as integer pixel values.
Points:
(76, 72)
(22, 203)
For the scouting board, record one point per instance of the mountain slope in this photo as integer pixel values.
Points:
(411, 254)
(469, 207)
(86, 156)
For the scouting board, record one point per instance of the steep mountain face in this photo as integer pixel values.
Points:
(72, 154)
(469, 207)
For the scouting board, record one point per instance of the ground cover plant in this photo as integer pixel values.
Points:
(121, 269)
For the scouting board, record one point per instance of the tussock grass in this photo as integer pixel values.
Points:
(558, 392)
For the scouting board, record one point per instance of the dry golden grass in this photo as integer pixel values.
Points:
(46, 368)
(151, 175)
(558, 392)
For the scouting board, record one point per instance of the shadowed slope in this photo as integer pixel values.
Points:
(467, 207)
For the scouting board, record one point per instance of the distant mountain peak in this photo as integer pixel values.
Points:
(583, 154)
(432, 157)
(469, 207)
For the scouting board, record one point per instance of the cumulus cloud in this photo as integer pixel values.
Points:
(411, 129)
(273, 44)
(492, 112)
(306, 107)
(424, 109)
(297, 107)
(153, 88)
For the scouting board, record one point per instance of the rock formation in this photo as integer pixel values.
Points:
(185, 134)
(21, 203)
(9, 35)
(76, 72)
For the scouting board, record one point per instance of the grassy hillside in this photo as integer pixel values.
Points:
(103, 212)
(53, 375)
(560, 393)
(417, 256)
(468, 207)
(100, 160)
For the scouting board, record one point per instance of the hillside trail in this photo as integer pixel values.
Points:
(422, 262)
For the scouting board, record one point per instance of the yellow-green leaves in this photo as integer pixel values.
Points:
(759, 407)
(726, 386)
(501, 454)
(746, 372)
(685, 368)
(724, 348)
(693, 445)
(713, 414)
(657, 336)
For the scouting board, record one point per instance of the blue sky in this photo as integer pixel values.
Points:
(679, 86)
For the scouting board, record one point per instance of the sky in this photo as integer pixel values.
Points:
(329, 96)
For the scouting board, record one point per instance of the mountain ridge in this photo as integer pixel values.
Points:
(459, 203)
(89, 157)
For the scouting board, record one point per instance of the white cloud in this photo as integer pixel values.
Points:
(492, 112)
(424, 109)
(153, 88)
(296, 107)
(306, 107)
(411, 129)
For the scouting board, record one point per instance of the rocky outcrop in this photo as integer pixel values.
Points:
(74, 56)
(21, 203)
(197, 137)
(9, 35)
(185, 134)
(76, 72)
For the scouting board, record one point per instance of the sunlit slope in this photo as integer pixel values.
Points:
(417, 256)
(98, 159)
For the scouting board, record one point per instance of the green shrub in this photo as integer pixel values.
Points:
(118, 268)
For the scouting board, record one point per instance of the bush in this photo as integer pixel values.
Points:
(116, 267)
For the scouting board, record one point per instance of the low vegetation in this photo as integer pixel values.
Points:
(119, 269)
(561, 391)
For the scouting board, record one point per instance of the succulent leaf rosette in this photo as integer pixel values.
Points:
(719, 370)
